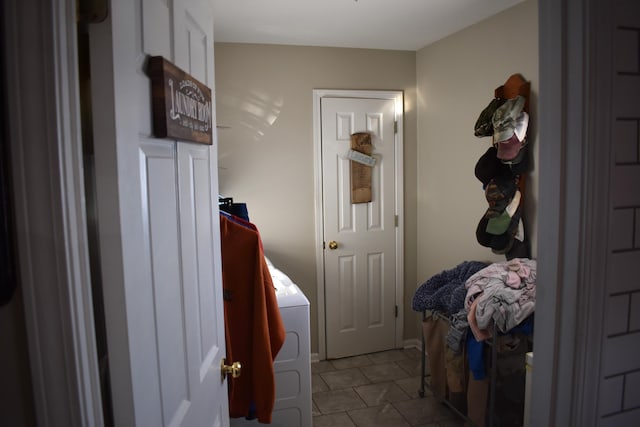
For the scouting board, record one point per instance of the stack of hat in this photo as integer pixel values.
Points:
(498, 169)
(506, 122)
(500, 228)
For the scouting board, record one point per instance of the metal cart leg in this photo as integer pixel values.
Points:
(494, 375)
(423, 362)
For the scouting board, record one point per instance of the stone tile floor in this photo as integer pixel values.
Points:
(375, 390)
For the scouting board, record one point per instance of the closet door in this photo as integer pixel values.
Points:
(360, 256)
(158, 225)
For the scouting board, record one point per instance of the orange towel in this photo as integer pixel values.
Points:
(253, 326)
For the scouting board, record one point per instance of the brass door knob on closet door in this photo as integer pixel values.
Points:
(333, 245)
(235, 369)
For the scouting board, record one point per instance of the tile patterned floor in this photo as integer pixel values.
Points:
(379, 389)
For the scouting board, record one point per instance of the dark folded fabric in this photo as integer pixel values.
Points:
(445, 291)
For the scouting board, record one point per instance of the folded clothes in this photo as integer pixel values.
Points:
(504, 292)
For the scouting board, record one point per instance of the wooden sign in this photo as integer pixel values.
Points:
(181, 104)
(360, 173)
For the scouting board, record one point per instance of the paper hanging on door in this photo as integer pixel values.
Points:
(361, 173)
(357, 156)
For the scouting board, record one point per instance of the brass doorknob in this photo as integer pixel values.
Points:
(333, 244)
(234, 369)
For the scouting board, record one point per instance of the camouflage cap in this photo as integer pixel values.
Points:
(484, 124)
(499, 193)
(505, 117)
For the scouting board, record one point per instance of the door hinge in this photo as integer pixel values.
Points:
(395, 127)
(395, 220)
(396, 311)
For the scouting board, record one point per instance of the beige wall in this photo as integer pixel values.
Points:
(456, 78)
(264, 95)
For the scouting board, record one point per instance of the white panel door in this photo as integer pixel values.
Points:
(360, 274)
(158, 223)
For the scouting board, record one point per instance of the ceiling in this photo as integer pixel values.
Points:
(372, 24)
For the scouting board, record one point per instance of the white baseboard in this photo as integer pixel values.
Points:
(413, 343)
(408, 344)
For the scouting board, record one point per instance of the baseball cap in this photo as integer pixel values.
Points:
(500, 224)
(505, 116)
(509, 148)
(484, 124)
(489, 166)
(499, 244)
(499, 192)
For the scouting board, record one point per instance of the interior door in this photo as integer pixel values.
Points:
(158, 223)
(360, 268)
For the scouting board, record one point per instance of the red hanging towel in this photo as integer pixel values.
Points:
(253, 326)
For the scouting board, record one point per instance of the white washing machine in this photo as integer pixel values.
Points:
(293, 364)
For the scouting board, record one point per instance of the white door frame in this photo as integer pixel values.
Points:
(397, 96)
(51, 230)
(573, 216)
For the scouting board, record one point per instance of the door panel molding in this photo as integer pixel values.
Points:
(397, 96)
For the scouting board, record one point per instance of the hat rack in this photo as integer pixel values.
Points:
(514, 86)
